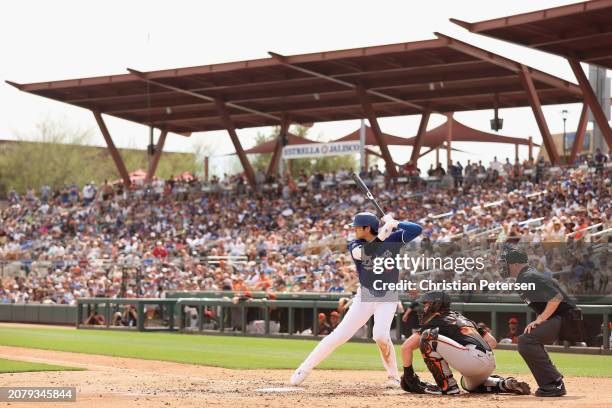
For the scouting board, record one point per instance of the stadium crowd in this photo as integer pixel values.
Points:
(112, 241)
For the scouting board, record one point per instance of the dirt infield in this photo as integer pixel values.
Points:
(124, 382)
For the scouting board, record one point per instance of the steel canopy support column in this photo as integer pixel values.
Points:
(449, 138)
(112, 149)
(384, 149)
(206, 169)
(580, 132)
(530, 148)
(278, 148)
(231, 130)
(158, 152)
(516, 153)
(536, 107)
(418, 142)
(590, 99)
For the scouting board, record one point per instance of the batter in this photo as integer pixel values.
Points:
(366, 227)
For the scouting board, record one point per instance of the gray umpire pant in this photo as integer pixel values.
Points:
(531, 348)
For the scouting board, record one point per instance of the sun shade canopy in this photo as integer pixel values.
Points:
(462, 133)
(439, 75)
(582, 31)
(370, 138)
(270, 146)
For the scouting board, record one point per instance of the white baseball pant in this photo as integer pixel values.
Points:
(358, 315)
(475, 365)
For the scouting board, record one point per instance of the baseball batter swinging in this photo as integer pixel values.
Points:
(449, 339)
(366, 227)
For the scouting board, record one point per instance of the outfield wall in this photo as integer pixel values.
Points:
(36, 313)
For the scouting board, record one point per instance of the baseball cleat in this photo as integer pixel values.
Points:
(299, 376)
(556, 389)
(518, 387)
(452, 390)
(392, 382)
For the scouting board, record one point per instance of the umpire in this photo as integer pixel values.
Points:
(554, 310)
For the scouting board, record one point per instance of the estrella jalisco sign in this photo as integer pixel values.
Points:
(299, 151)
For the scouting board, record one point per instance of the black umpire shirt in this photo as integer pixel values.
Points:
(546, 288)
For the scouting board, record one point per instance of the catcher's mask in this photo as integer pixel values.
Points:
(438, 302)
(510, 255)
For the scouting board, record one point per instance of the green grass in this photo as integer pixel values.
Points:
(251, 353)
(12, 366)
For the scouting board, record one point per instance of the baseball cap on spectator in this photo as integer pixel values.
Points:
(334, 314)
(322, 316)
(513, 320)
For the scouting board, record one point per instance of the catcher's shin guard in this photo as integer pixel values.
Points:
(438, 367)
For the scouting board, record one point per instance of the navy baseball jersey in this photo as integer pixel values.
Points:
(406, 232)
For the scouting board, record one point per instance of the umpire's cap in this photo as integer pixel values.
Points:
(365, 219)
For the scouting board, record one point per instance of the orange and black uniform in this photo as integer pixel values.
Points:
(459, 328)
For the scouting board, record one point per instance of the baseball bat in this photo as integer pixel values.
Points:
(366, 191)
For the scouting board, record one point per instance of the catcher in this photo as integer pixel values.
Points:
(448, 339)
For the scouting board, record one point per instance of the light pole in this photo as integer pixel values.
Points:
(564, 116)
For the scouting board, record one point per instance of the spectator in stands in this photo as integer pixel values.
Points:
(540, 168)
(65, 249)
(337, 286)
(160, 251)
(555, 231)
(599, 160)
(456, 171)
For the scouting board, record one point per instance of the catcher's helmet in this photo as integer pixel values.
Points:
(366, 219)
(440, 302)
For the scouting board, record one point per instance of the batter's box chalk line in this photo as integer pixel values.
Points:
(280, 389)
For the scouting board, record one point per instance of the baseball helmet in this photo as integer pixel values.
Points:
(439, 302)
(365, 219)
(510, 255)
